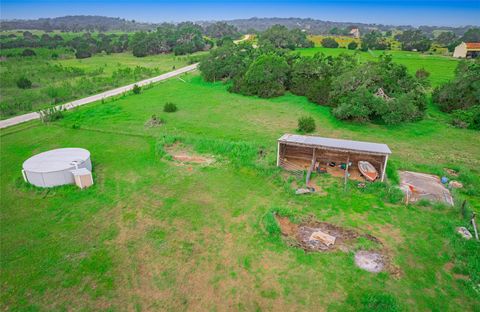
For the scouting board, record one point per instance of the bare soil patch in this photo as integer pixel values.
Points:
(302, 235)
(316, 236)
(183, 155)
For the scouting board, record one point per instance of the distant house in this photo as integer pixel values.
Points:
(467, 50)
(355, 33)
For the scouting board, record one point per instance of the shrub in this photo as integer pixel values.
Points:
(81, 54)
(468, 118)
(170, 107)
(352, 45)
(136, 89)
(24, 83)
(51, 114)
(306, 124)
(28, 52)
(422, 73)
(329, 43)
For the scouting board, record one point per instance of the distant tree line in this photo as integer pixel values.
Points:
(180, 39)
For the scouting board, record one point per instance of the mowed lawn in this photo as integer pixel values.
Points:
(153, 234)
(441, 68)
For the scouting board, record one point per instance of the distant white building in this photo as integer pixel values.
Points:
(355, 33)
(467, 50)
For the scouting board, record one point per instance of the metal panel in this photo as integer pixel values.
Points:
(345, 145)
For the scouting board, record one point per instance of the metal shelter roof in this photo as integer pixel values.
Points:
(338, 144)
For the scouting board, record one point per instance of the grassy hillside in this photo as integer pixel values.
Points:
(63, 78)
(441, 68)
(155, 234)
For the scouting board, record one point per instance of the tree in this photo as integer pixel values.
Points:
(374, 41)
(352, 45)
(471, 35)
(226, 62)
(279, 37)
(461, 93)
(378, 91)
(329, 43)
(221, 29)
(266, 76)
(446, 38)
(414, 40)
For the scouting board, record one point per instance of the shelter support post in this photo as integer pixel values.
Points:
(346, 172)
(384, 167)
(278, 154)
(312, 165)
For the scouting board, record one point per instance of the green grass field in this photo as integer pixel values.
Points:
(153, 234)
(441, 68)
(67, 78)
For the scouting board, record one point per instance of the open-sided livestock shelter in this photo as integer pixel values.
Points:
(308, 150)
(53, 168)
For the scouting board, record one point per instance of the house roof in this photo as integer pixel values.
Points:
(338, 144)
(473, 45)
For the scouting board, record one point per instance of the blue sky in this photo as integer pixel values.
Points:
(421, 12)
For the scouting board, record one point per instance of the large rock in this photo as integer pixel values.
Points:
(323, 237)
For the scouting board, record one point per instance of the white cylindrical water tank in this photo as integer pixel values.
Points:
(54, 167)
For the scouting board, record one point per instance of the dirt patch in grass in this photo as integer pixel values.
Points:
(303, 235)
(184, 156)
(336, 238)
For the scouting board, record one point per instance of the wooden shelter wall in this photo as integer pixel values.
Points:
(324, 155)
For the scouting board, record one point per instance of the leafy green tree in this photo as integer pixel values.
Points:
(221, 29)
(329, 43)
(471, 35)
(382, 91)
(226, 62)
(414, 40)
(463, 92)
(374, 41)
(446, 38)
(352, 45)
(266, 76)
(279, 37)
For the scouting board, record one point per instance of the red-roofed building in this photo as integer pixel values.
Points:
(467, 50)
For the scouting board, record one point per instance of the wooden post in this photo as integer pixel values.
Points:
(346, 172)
(474, 226)
(384, 168)
(312, 165)
(278, 154)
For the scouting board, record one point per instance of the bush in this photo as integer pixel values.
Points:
(81, 54)
(51, 114)
(352, 45)
(28, 52)
(170, 107)
(468, 118)
(306, 124)
(136, 89)
(24, 83)
(422, 73)
(329, 43)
